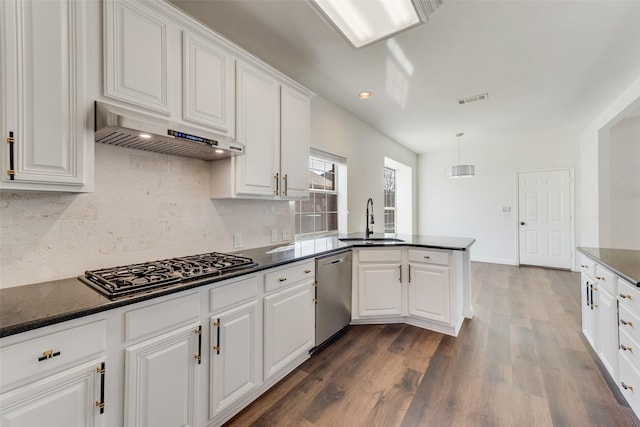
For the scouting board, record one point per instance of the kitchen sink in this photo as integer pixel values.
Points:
(371, 240)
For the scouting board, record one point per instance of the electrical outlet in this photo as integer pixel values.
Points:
(237, 240)
(274, 235)
(286, 235)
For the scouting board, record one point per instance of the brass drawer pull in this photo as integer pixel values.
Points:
(583, 265)
(625, 348)
(623, 296)
(626, 387)
(601, 278)
(626, 323)
(307, 271)
(48, 355)
(282, 279)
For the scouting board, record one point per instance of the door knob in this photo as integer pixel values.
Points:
(521, 222)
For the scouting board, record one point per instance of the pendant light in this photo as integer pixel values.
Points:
(461, 171)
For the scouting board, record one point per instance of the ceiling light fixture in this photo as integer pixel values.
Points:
(364, 22)
(365, 95)
(461, 171)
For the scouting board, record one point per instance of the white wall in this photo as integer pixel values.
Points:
(338, 132)
(623, 210)
(592, 173)
(472, 207)
(146, 206)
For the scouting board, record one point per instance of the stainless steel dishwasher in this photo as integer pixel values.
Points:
(333, 295)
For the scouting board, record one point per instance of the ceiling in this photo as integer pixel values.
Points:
(547, 65)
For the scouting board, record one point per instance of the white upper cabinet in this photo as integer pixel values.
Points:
(43, 105)
(273, 123)
(208, 93)
(257, 172)
(137, 55)
(294, 143)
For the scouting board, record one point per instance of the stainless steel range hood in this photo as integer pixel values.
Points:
(120, 126)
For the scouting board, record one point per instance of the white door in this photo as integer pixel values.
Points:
(294, 165)
(429, 292)
(379, 289)
(544, 207)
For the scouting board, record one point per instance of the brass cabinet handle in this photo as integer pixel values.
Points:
(601, 278)
(583, 266)
(625, 386)
(307, 271)
(625, 348)
(102, 371)
(623, 296)
(216, 346)
(285, 178)
(409, 273)
(49, 354)
(400, 269)
(282, 279)
(12, 168)
(626, 323)
(198, 356)
(277, 178)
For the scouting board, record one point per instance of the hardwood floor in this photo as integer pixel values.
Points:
(521, 361)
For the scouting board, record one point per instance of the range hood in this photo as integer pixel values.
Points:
(120, 126)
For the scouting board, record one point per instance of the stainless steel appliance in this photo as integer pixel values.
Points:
(121, 126)
(333, 295)
(135, 278)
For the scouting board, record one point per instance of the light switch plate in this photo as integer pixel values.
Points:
(237, 240)
(286, 235)
(274, 235)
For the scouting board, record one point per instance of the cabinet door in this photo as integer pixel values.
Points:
(588, 313)
(257, 171)
(64, 399)
(209, 84)
(607, 321)
(42, 95)
(294, 140)
(429, 292)
(379, 290)
(160, 380)
(289, 326)
(136, 43)
(235, 356)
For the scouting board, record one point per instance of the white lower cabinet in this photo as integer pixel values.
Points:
(65, 399)
(589, 325)
(380, 289)
(289, 318)
(607, 332)
(54, 376)
(160, 379)
(429, 290)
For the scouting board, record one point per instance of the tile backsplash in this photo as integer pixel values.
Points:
(146, 206)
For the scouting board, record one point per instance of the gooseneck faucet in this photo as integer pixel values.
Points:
(367, 231)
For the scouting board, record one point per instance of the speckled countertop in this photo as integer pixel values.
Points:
(623, 262)
(28, 307)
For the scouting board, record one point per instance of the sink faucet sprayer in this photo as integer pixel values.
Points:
(367, 231)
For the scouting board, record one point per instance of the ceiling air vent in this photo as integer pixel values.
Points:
(474, 98)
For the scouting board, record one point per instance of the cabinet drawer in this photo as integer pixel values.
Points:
(379, 255)
(232, 294)
(629, 322)
(629, 382)
(629, 296)
(587, 266)
(162, 316)
(29, 358)
(629, 347)
(429, 257)
(606, 279)
(288, 276)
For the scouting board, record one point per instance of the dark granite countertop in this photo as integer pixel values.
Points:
(23, 308)
(623, 262)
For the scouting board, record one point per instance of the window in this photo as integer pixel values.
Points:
(389, 200)
(319, 214)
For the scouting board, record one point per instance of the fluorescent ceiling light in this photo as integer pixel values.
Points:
(362, 22)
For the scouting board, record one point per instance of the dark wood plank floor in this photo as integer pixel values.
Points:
(521, 361)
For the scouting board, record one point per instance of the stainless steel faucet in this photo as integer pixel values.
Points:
(367, 231)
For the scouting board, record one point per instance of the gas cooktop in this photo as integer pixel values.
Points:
(131, 279)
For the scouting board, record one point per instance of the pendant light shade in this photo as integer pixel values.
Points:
(461, 171)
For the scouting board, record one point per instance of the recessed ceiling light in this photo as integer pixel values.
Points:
(365, 95)
(145, 136)
(364, 22)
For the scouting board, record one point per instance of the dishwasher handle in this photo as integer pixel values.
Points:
(335, 261)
